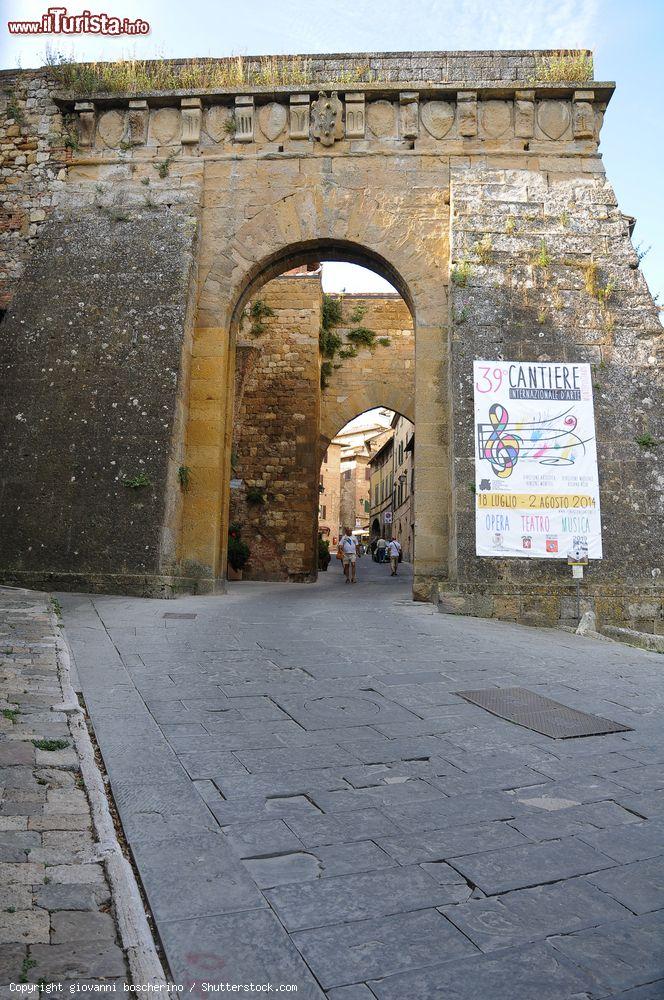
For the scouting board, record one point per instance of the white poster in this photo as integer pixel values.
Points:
(536, 483)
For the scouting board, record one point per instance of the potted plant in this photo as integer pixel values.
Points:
(323, 553)
(238, 553)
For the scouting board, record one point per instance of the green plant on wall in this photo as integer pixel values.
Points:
(238, 550)
(460, 273)
(646, 440)
(184, 477)
(255, 495)
(332, 344)
(258, 312)
(565, 66)
(137, 482)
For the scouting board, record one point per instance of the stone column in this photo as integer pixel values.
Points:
(86, 123)
(192, 116)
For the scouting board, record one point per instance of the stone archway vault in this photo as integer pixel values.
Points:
(278, 222)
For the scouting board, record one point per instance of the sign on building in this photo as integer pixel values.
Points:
(387, 517)
(536, 482)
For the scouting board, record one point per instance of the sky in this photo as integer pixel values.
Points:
(627, 37)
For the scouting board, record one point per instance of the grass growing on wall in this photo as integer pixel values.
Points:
(142, 75)
(564, 67)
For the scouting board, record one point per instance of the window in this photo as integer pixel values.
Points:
(323, 511)
(367, 474)
(321, 485)
(367, 506)
(376, 494)
(325, 459)
(347, 475)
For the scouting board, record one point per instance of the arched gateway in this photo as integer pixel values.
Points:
(478, 192)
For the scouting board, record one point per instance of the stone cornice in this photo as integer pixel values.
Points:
(375, 90)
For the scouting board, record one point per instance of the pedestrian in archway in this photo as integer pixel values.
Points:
(348, 549)
(394, 552)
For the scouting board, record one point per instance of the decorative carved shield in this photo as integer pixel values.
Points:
(272, 120)
(326, 118)
(437, 118)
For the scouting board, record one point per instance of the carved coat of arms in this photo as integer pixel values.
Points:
(326, 118)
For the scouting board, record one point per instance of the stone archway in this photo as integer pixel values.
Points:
(301, 219)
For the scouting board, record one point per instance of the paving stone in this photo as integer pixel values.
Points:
(354, 897)
(356, 992)
(261, 808)
(360, 824)
(378, 796)
(16, 752)
(26, 926)
(210, 763)
(620, 955)
(459, 810)
(437, 845)
(293, 759)
(520, 867)
(488, 778)
(387, 751)
(530, 914)
(321, 862)
(77, 874)
(346, 953)
(536, 971)
(573, 820)
(194, 876)
(11, 960)
(635, 842)
(249, 947)
(638, 886)
(642, 779)
(27, 874)
(253, 839)
(457, 890)
(71, 897)
(71, 926)
(18, 897)
(14, 845)
(85, 960)
(333, 711)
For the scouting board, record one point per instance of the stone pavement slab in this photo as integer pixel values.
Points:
(532, 864)
(527, 915)
(57, 915)
(346, 953)
(279, 793)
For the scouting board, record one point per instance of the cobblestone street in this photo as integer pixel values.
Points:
(56, 918)
(309, 802)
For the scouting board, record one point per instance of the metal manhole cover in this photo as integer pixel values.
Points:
(179, 614)
(542, 715)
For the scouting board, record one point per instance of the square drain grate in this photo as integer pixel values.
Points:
(179, 614)
(542, 715)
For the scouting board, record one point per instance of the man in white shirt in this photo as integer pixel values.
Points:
(394, 551)
(348, 548)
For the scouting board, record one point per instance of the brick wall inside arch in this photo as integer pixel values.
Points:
(283, 419)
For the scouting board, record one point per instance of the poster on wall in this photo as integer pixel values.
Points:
(536, 482)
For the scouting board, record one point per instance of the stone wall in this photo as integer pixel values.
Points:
(276, 433)
(281, 415)
(95, 370)
(539, 241)
(32, 161)
(383, 375)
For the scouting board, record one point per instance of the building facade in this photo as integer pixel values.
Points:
(382, 483)
(330, 494)
(403, 489)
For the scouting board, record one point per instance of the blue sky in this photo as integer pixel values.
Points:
(627, 39)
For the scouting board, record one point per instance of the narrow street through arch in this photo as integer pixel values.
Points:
(316, 806)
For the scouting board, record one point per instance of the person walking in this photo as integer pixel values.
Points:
(394, 552)
(381, 547)
(348, 549)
